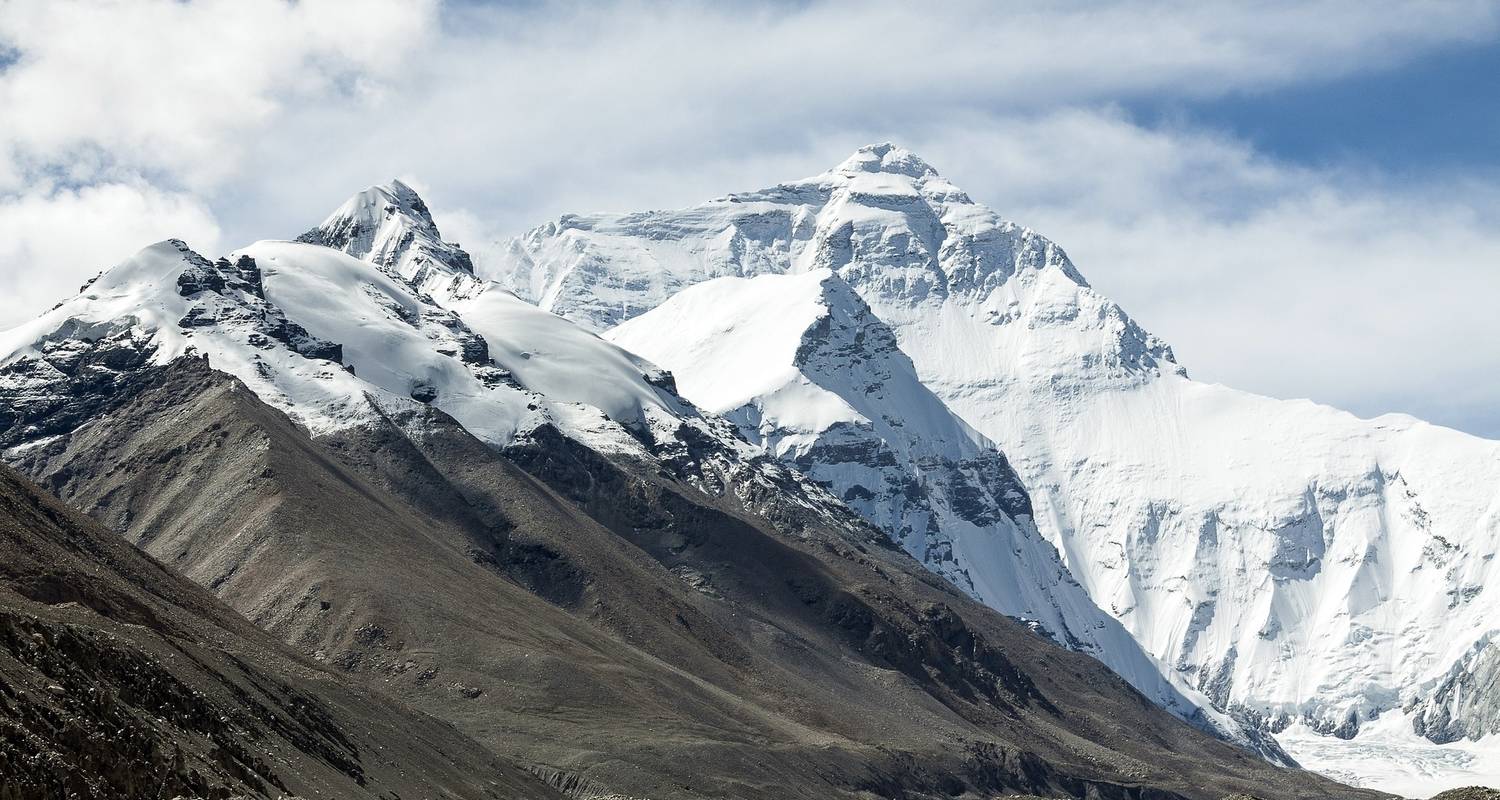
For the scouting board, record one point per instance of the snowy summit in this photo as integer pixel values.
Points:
(1303, 568)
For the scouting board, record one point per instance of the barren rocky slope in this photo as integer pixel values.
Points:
(119, 678)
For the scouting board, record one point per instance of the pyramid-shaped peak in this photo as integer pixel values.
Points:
(405, 196)
(389, 224)
(385, 200)
(886, 157)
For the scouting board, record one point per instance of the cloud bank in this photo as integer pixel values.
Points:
(222, 122)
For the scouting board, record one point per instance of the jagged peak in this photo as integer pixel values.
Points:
(886, 157)
(384, 200)
(391, 225)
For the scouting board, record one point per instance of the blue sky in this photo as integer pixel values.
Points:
(1437, 112)
(1302, 197)
(1432, 118)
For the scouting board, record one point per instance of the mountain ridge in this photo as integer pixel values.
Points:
(844, 405)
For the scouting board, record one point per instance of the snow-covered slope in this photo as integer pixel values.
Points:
(369, 343)
(338, 342)
(803, 367)
(390, 228)
(1288, 558)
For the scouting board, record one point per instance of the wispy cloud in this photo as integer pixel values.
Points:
(257, 117)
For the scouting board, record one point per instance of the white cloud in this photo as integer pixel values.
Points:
(523, 112)
(174, 89)
(102, 94)
(1268, 276)
(51, 242)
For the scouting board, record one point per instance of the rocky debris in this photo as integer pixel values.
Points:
(576, 786)
(455, 339)
(467, 346)
(423, 392)
(89, 739)
(1469, 793)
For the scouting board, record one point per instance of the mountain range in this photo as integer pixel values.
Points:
(862, 491)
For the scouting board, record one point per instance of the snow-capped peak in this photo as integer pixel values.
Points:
(885, 157)
(390, 226)
(904, 237)
(1289, 559)
(371, 206)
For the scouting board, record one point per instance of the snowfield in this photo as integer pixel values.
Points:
(1388, 756)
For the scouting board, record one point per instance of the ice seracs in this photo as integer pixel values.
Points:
(1294, 562)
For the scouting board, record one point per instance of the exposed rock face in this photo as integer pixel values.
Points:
(58, 389)
(1465, 703)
